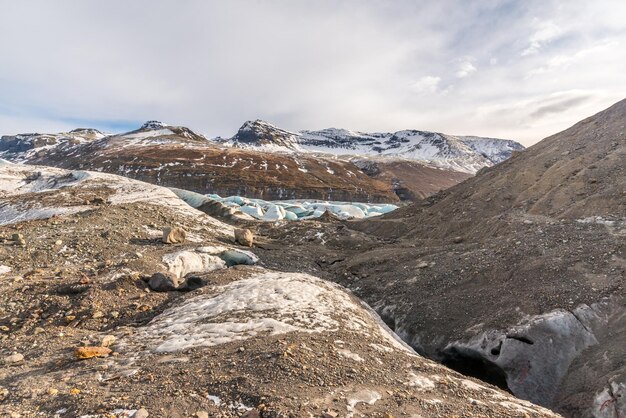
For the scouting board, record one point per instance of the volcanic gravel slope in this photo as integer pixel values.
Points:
(75, 250)
(516, 275)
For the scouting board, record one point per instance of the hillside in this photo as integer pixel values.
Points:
(263, 161)
(90, 328)
(515, 276)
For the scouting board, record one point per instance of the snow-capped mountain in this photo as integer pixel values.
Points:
(460, 153)
(153, 129)
(263, 135)
(25, 147)
(22, 147)
(264, 161)
(175, 156)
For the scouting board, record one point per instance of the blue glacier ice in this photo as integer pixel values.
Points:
(293, 210)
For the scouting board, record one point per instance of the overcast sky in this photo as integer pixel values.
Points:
(511, 69)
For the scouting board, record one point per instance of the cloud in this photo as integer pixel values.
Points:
(544, 33)
(365, 65)
(559, 105)
(561, 61)
(465, 68)
(426, 84)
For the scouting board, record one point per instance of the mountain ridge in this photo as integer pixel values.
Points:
(274, 163)
(460, 153)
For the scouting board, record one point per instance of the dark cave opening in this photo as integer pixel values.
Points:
(472, 363)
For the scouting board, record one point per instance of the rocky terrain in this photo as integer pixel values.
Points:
(117, 293)
(119, 299)
(263, 161)
(515, 276)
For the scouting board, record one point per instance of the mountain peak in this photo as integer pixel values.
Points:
(153, 124)
(261, 133)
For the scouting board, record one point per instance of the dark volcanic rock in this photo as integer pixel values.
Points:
(533, 297)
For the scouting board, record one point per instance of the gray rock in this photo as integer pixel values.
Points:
(141, 413)
(18, 239)
(237, 257)
(14, 358)
(164, 282)
(194, 282)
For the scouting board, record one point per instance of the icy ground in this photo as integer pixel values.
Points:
(293, 210)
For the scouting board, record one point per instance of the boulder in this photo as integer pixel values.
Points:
(141, 413)
(90, 352)
(164, 282)
(14, 358)
(182, 263)
(174, 235)
(244, 237)
(18, 239)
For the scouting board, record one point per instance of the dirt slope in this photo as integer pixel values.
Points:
(75, 250)
(540, 234)
(515, 276)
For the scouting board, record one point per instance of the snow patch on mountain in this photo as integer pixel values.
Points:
(153, 125)
(459, 153)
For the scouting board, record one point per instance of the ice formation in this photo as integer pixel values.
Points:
(293, 210)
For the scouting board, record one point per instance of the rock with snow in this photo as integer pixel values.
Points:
(272, 302)
(185, 262)
(21, 188)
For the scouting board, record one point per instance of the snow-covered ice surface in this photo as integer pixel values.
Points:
(185, 262)
(293, 210)
(267, 303)
(28, 181)
(366, 396)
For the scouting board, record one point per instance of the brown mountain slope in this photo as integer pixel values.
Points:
(515, 276)
(577, 173)
(176, 161)
(411, 180)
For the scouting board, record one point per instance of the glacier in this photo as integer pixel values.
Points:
(299, 209)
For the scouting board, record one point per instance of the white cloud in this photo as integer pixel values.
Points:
(426, 84)
(562, 61)
(544, 33)
(465, 68)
